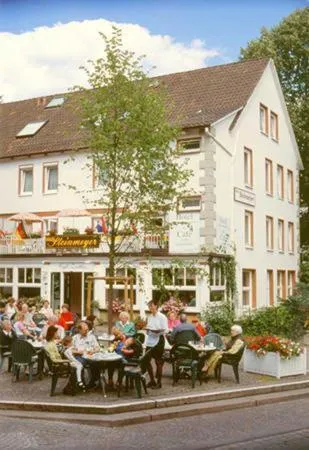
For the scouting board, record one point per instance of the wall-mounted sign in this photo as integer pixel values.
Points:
(242, 196)
(185, 237)
(70, 241)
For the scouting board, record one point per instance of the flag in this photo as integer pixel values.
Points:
(104, 226)
(133, 228)
(2, 234)
(20, 231)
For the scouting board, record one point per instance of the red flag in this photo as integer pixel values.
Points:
(104, 226)
(20, 231)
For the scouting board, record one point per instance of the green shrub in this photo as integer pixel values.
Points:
(220, 318)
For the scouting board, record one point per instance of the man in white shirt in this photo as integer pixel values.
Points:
(85, 342)
(156, 327)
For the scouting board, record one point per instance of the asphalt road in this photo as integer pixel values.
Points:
(278, 426)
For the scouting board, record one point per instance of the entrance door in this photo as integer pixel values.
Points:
(73, 291)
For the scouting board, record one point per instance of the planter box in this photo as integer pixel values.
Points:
(271, 364)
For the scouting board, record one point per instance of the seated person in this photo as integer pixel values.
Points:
(118, 342)
(20, 327)
(60, 330)
(232, 347)
(172, 321)
(47, 310)
(55, 356)
(7, 334)
(184, 332)
(66, 319)
(68, 353)
(86, 343)
(130, 349)
(30, 324)
(124, 325)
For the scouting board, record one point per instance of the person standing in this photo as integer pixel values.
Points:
(156, 328)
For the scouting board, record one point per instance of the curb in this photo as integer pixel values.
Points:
(161, 403)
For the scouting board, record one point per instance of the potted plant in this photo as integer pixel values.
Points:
(173, 305)
(274, 356)
(35, 235)
(72, 231)
(89, 230)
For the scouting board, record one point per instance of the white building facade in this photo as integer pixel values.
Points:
(244, 201)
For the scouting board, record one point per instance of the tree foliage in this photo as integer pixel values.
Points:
(288, 45)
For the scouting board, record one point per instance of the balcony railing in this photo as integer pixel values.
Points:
(132, 244)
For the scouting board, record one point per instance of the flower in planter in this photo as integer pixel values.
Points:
(89, 230)
(70, 231)
(173, 305)
(118, 306)
(263, 344)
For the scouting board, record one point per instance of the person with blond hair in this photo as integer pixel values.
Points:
(124, 325)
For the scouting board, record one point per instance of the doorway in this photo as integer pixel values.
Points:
(73, 291)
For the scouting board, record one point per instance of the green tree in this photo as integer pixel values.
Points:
(288, 45)
(126, 116)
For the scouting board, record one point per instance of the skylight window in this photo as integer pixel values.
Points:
(56, 101)
(31, 128)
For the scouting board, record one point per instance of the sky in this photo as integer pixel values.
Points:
(44, 42)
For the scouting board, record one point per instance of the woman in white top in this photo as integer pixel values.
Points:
(47, 310)
(10, 309)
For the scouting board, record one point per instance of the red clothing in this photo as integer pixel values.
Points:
(64, 318)
(200, 329)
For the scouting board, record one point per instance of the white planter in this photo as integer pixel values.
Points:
(271, 364)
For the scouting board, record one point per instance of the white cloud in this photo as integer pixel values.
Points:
(46, 60)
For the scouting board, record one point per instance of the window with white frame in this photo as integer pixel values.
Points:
(274, 128)
(270, 288)
(29, 282)
(50, 178)
(190, 145)
(281, 235)
(290, 186)
(281, 285)
(249, 239)
(269, 177)
(25, 180)
(291, 239)
(291, 282)
(6, 282)
(248, 167)
(99, 177)
(263, 119)
(190, 203)
(177, 282)
(119, 286)
(280, 182)
(269, 233)
(217, 283)
(51, 224)
(248, 287)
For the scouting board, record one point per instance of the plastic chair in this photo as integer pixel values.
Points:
(215, 339)
(23, 355)
(184, 359)
(60, 369)
(140, 337)
(5, 351)
(135, 373)
(184, 337)
(231, 360)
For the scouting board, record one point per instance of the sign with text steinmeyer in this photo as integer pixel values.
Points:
(242, 196)
(72, 241)
(184, 237)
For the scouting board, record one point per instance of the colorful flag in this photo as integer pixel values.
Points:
(20, 231)
(133, 228)
(104, 225)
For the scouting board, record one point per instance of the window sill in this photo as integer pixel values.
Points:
(25, 194)
(270, 250)
(190, 152)
(291, 202)
(292, 253)
(249, 247)
(269, 194)
(248, 186)
(275, 140)
(264, 133)
(50, 192)
(281, 252)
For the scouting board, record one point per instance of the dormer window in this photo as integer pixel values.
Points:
(55, 102)
(31, 128)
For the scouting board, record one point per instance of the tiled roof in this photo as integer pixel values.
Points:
(198, 97)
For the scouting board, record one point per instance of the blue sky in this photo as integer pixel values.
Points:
(224, 24)
(47, 40)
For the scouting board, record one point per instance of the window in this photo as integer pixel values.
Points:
(6, 275)
(99, 177)
(249, 288)
(291, 247)
(269, 177)
(31, 129)
(55, 102)
(190, 145)
(217, 283)
(274, 132)
(51, 225)
(249, 239)
(269, 233)
(281, 285)
(25, 180)
(280, 235)
(280, 182)
(291, 282)
(290, 186)
(50, 178)
(270, 288)
(263, 119)
(192, 203)
(248, 167)
(119, 286)
(29, 275)
(177, 282)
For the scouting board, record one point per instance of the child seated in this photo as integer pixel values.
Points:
(68, 353)
(118, 342)
(130, 349)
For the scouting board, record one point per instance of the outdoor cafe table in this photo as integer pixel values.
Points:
(103, 361)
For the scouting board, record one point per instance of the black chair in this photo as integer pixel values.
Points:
(184, 359)
(136, 374)
(61, 369)
(140, 337)
(5, 350)
(23, 355)
(184, 337)
(231, 360)
(215, 339)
